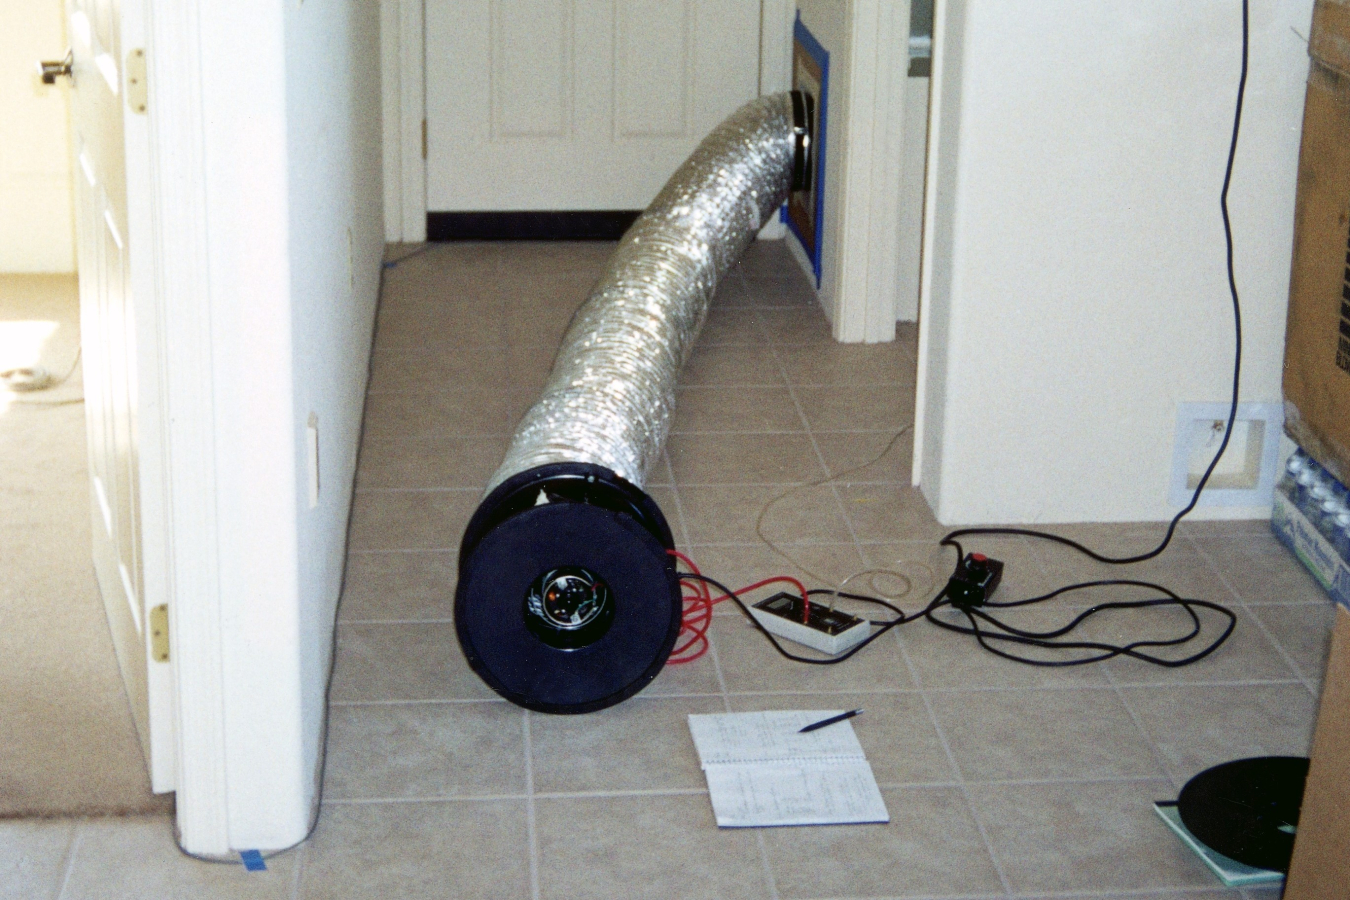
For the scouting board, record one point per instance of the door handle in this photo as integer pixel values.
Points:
(50, 70)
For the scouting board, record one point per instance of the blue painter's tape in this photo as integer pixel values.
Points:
(253, 860)
(803, 37)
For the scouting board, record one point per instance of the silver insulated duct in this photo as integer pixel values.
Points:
(567, 599)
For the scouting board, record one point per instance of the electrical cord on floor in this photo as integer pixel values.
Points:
(872, 573)
(696, 627)
(989, 630)
(1098, 651)
(35, 380)
(1007, 633)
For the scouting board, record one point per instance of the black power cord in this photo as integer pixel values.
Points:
(1100, 651)
(1097, 651)
(991, 631)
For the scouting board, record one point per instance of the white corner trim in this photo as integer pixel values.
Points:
(151, 424)
(935, 85)
(391, 117)
(412, 116)
(183, 303)
(775, 71)
(775, 46)
(869, 243)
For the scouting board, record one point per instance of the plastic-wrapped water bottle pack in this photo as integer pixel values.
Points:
(1322, 500)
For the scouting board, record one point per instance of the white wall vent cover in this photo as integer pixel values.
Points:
(1246, 475)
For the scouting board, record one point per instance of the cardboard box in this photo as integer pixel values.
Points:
(1320, 869)
(1317, 416)
(1317, 351)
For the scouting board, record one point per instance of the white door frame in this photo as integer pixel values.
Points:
(402, 86)
(869, 232)
(154, 489)
(181, 438)
(775, 71)
(865, 161)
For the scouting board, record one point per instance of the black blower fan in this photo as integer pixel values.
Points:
(568, 601)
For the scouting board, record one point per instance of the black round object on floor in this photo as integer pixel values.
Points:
(568, 601)
(1247, 809)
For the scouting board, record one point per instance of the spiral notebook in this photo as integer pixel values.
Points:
(761, 771)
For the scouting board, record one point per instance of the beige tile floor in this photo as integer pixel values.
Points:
(1001, 780)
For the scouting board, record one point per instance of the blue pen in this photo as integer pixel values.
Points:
(831, 720)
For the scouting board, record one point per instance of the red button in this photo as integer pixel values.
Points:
(979, 557)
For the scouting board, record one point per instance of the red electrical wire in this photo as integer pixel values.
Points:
(692, 642)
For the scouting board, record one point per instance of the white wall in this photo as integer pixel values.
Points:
(334, 137)
(1075, 289)
(37, 231)
(830, 22)
(864, 151)
(253, 371)
(913, 169)
(292, 128)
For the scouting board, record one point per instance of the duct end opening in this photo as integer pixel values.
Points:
(803, 128)
(567, 599)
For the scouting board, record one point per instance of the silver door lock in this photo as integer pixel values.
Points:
(50, 70)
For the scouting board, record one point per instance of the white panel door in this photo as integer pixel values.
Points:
(108, 339)
(577, 104)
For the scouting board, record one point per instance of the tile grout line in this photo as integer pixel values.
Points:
(769, 881)
(824, 466)
(467, 798)
(301, 858)
(684, 532)
(784, 484)
(1158, 757)
(1012, 689)
(1162, 893)
(766, 870)
(955, 767)
(703, 792)
(372, 551)
(985, 896)
(675, 493)
(472, 491)
(68, 870)
(359, 551)
(765, 866)
(717, 669)
(540, 795)
(1242, 602)
(530, 821)
(480, 388)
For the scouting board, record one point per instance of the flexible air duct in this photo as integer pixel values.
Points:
(567, 599)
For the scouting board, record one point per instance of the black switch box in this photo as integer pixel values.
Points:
(974, 581)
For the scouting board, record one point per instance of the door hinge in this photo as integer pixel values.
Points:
(424, 138)
(136, 90)
(159, 633)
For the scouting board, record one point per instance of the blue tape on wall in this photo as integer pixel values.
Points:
(252, 860)
(805, 211)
